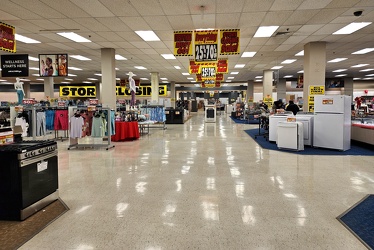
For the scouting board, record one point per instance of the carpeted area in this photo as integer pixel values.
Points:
(359, 219)
(14, 234)
(356, 149)
(248, 121)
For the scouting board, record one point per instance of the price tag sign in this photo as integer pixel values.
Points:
(91, 108)
(93, 101)
(208, 71)
(206, 52)
(61, 104)
(28, 101)
(18, 108)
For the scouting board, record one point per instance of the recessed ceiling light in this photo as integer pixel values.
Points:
(356, 78)
(259, 76)
(118, 79)
(139, 67)
(31, 58)
(98, 74)
(231, 77)
(366, 70)
(132, 74)
(300, 72)
(145, 79)
(25, 39)
(185, 74)
(234, 73)
(40, 79)
(340, 70)
(370, 75)
(92, 79)
(288, 76)
(337, 60)
(224, 85)
(120, 58)
(86, 82)
(368, 78)
(165, 81)
(341, 75)
(74, 68)
(147, 35)
(177, 67)
(228, 80)
(71, 75)
(193, 81)
(248, 54)
(359, 65)
(74, 37)
(168, 56)
(301, 53)
(265, 31)
(288, 61)
(32, 68)
(277, 67)
(258, 80)
(197, 85)
(65, 82)
(69, 79)
(116, 68)
(239, 66)
(350, 28)
(190, 78)
(163, 78)
(363, 51)
(35, 74)
(82, 58)
(1, 80)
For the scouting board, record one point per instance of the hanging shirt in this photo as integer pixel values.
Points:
(76, 125)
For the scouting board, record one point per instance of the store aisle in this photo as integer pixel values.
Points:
(204, 186)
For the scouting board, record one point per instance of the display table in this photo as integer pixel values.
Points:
(126, 131)
(363, 133)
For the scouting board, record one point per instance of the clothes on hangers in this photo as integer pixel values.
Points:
(40, 124)
(50, 119)
(76, 125)
(61, 121)
(99, 124)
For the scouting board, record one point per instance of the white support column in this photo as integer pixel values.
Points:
(250, 90)
(155, 87)
(348, 86)
(172, 94)
(281, 89)
(268, 83)
(26, 89)
(48, 87)
(108, 71)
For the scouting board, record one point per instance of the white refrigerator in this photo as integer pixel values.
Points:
(332, 122)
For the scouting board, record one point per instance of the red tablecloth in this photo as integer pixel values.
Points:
(126, 131)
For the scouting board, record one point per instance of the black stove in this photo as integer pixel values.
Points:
(28, 149)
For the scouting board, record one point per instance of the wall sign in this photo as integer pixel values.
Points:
(230, 42)
(141, 91)
(77, 91)
(183, 43)
(15, 65)
(7, 37)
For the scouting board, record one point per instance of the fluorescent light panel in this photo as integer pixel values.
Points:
(86, 82)
(249, 54)
(74, 37)
(366, 70)
(370, 75)
(177, 67)
(234, 73)
(239, 66)
(350, 28)
(163, 78)
(92, 79)
(139, 67)
(120, 58)
(81, 58)
(145, 79)
(25, 39)
(168, 56)
(228, 81)
(147, 35)
(231, 77)
(288, 61)
(337, 60)
(368, 78)
(301, 53)
(265, 31)
(300, 72)
(259, 76)
(74, 68)
(71, 75)
(35, 74)
(31, 58)
(190, 78)
(288, 76)
(185, 74)
(277, 67)
(32, 68)
(69, 79)
(340, 70)
(363, 51)
(359, 65)
(341, 75)
(98, 74)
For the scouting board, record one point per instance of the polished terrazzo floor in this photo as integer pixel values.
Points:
(204, 186)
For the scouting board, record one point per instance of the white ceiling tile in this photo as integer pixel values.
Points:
(148, 8)
(251, 19)
(181, 22)
(136, 23)
(169, 8)
(294, 39)
(129, 36)
(342, 3)
(93, 7)
(325, 16)
(314, 4)
(91, 24)
(344, 19)
(285, 5)
(328, 29)
(20, 11)
(66, 23)
(284, 47)
(158, 22)
(5, 16)
(195, 6)
(308, 29)
(111, 36)
(150, 52)
(204, 22)
(276, 18)
(229, 6)
(300, 17)
(113, 23)
(254, 6)
(226, 21)
(141, 45)
(160, 45)
(120, 7)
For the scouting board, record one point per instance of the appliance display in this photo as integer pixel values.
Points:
(332, 122)
(273, 122)
(290, 135)
(28, 178)
(53, 64)
(210, 113)
(307, 121)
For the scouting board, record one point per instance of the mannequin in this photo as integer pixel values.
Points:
(133, 88)
(18, 86)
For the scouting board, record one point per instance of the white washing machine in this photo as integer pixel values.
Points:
(308, 121)
(273, 123)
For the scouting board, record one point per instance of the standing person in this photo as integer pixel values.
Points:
(48, 67)
(18, 86)
(292, 107)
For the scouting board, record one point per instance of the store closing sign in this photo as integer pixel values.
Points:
(141, 91)
(77, 91)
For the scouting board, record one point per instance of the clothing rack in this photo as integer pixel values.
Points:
(66, 132)
(161, 124)
(74, 142)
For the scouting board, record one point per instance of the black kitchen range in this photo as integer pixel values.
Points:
(28, 178)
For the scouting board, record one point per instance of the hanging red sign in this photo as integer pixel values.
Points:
(7, 37)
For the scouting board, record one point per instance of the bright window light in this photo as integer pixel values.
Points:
(300, 72)
(74, 37)
(168, 56)
(31, 58)
(265, 31)
(185, 74)
(92, 79)
(177, 67)
(74, 68)
(249, 54)
(340, 70)
(71, 75)
(239, 66)
(32, 68)
(337, 60)
(277, 67)
(25, 39)
(139, 67)
(366, 70)
(301, 53)
(231, 77)
(288, 61)
(82, 58)
(359, 65)
(147, 35)
(120, 58)
(350, 28)
(234, 73)
(288, 76)
(363, 51)
(341, 75)
(259, 77)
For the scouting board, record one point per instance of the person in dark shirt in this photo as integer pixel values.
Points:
(292, 107)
